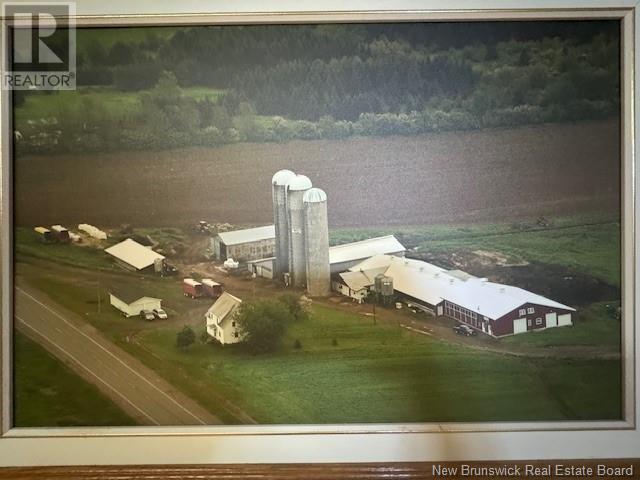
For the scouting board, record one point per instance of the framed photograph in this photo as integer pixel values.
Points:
(281, 234)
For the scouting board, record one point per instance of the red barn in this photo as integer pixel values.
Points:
(489, 307)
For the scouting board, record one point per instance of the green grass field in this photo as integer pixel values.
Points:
(28, 248)
(49, 394)
(588, 244)
(381, 373)
(375, 373)
(593, 326)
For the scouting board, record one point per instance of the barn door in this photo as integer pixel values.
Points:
(520, 325)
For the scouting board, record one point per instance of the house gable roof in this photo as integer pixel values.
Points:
(223, 309)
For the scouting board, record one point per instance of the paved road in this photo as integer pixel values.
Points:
(135, 388)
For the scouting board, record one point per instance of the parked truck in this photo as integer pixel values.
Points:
(212, 289)
(192, 288)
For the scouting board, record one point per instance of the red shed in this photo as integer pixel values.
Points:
(211, 288)
(192, 288)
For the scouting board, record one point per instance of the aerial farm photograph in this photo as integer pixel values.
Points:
(321, 224)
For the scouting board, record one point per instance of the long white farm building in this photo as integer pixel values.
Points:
(244, 245)
(493, 308)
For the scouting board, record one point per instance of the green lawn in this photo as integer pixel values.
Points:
(49, 394)
(28, 246)
(593, 325)
(381, 373)
(588, 244)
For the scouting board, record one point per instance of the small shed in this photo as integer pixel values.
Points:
(221, 319)
(44, 234)
(211, 288)
(263, 267)
(61, 233)
(131, 302)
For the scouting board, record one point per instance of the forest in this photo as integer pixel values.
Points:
(168, 87)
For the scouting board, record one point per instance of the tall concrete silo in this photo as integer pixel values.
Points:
(296, 188)
(317, 242)
(281, 219)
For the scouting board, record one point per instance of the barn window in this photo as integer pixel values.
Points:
(522, 312)
(529, 322)
(233, 324)
(531, 310)
(539, 321)
(235, 334)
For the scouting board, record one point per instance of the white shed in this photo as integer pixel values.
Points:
(131, 303)
(134, 256)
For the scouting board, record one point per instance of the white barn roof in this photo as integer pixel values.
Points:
(222, 308)
(210, 283)
(433, 284)
(237, 237)
(365, 249)
(134, 254)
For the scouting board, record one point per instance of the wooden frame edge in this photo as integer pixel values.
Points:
(330, 471)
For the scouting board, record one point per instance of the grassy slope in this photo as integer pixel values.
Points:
(69, 401)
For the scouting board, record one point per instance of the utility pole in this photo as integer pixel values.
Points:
(374, 312)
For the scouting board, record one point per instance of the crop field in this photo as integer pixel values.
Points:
(460, 177)
(69, 401)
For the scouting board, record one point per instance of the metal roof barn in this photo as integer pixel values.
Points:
(237, 237)
(342, 257)
(134, 254)
(431, 284)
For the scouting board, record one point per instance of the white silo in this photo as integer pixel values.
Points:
(281, 219)
(295, 206)
(317, 242)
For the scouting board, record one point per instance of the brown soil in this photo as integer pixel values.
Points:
(485, 175)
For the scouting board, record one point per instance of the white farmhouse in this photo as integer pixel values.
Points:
(221, 319)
